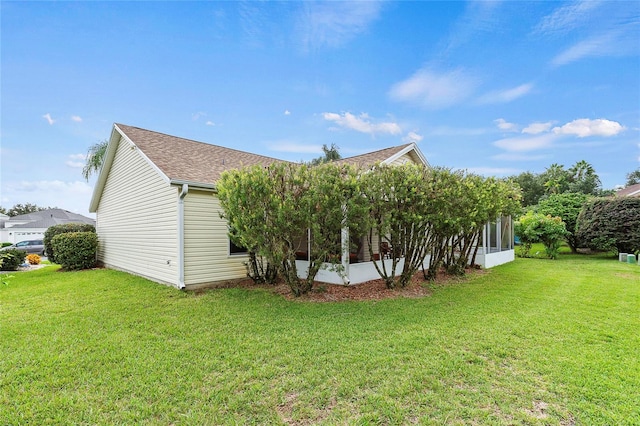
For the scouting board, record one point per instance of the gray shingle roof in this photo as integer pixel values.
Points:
(47, 218)
(188, 160)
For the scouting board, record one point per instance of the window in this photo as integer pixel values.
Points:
(235, 250)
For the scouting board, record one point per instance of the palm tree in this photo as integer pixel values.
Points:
(95, 158)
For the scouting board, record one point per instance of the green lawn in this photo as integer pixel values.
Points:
(532, 342)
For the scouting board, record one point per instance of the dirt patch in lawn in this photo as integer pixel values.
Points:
(370, 290)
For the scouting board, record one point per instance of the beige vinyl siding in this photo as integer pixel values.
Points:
(206, 243)
(137, 219)
(406, 158)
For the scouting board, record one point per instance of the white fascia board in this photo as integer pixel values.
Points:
(195, 185)
(405, 150)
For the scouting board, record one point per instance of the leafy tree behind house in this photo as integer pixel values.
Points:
(19, 209)
(330, 154)
(633, 177)
(95, 159)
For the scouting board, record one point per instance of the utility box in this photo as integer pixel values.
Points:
(622, 257)
(631, 258)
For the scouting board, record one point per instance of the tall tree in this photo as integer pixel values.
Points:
(556, 179)
(566, 206)
(583, 179)
(95, 159)
(532, 187)
(633, 177)
(330, 154)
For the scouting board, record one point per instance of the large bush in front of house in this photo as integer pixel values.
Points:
(11, 259)
(54, 230)
(75, 250)
(611, 224)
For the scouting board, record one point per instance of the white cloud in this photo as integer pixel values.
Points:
(50, 120)
(567, 17)
(535, 128)
(73, 196)
(287, 112)
(505, 125)
(76, 118)
(295, 147)
(434, 90)
(210, 123)
(74, 164)
(601, 45)
(505, 96)
(412, 137)
(76, 161)
(525, 143)
(196, 116)
(362, 123)
(332, 24)
(584, 127)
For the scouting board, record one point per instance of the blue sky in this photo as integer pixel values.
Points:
(494, 87)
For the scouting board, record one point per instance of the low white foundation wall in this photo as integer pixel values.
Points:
(490, 260)
(356, 274)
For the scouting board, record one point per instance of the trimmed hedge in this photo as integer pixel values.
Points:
(611, 224)
(11, 259)
(54, 230)
(75, 250)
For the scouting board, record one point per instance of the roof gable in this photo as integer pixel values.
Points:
(186, 160)
(386, 156)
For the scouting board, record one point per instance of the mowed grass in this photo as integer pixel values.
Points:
(532, 342)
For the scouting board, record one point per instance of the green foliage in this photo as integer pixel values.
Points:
(537, 227)
(11, 259)
(54, 230)
(633, 177)
(330, 154)
(580, 178)
(75, 250)
(611, 224)
(19, 209)
(6, 244)
(532, 187)
(567, 206)
(95, 159)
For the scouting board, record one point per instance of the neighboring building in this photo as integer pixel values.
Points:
(629, 191)
(158, 215)
(32, 226)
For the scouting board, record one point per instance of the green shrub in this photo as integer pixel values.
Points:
(567, 206)
(54, 230)
(6, 244)
(11, 259)
(75, 250)
(611, 224)
(537, 227)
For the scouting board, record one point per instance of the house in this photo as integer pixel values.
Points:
(32, 226)
(158, 215)
(629, 191)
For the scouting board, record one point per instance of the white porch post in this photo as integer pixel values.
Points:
(344, 243)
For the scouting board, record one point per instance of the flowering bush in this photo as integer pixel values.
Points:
(33, 259)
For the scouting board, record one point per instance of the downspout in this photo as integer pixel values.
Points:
(183, 194)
